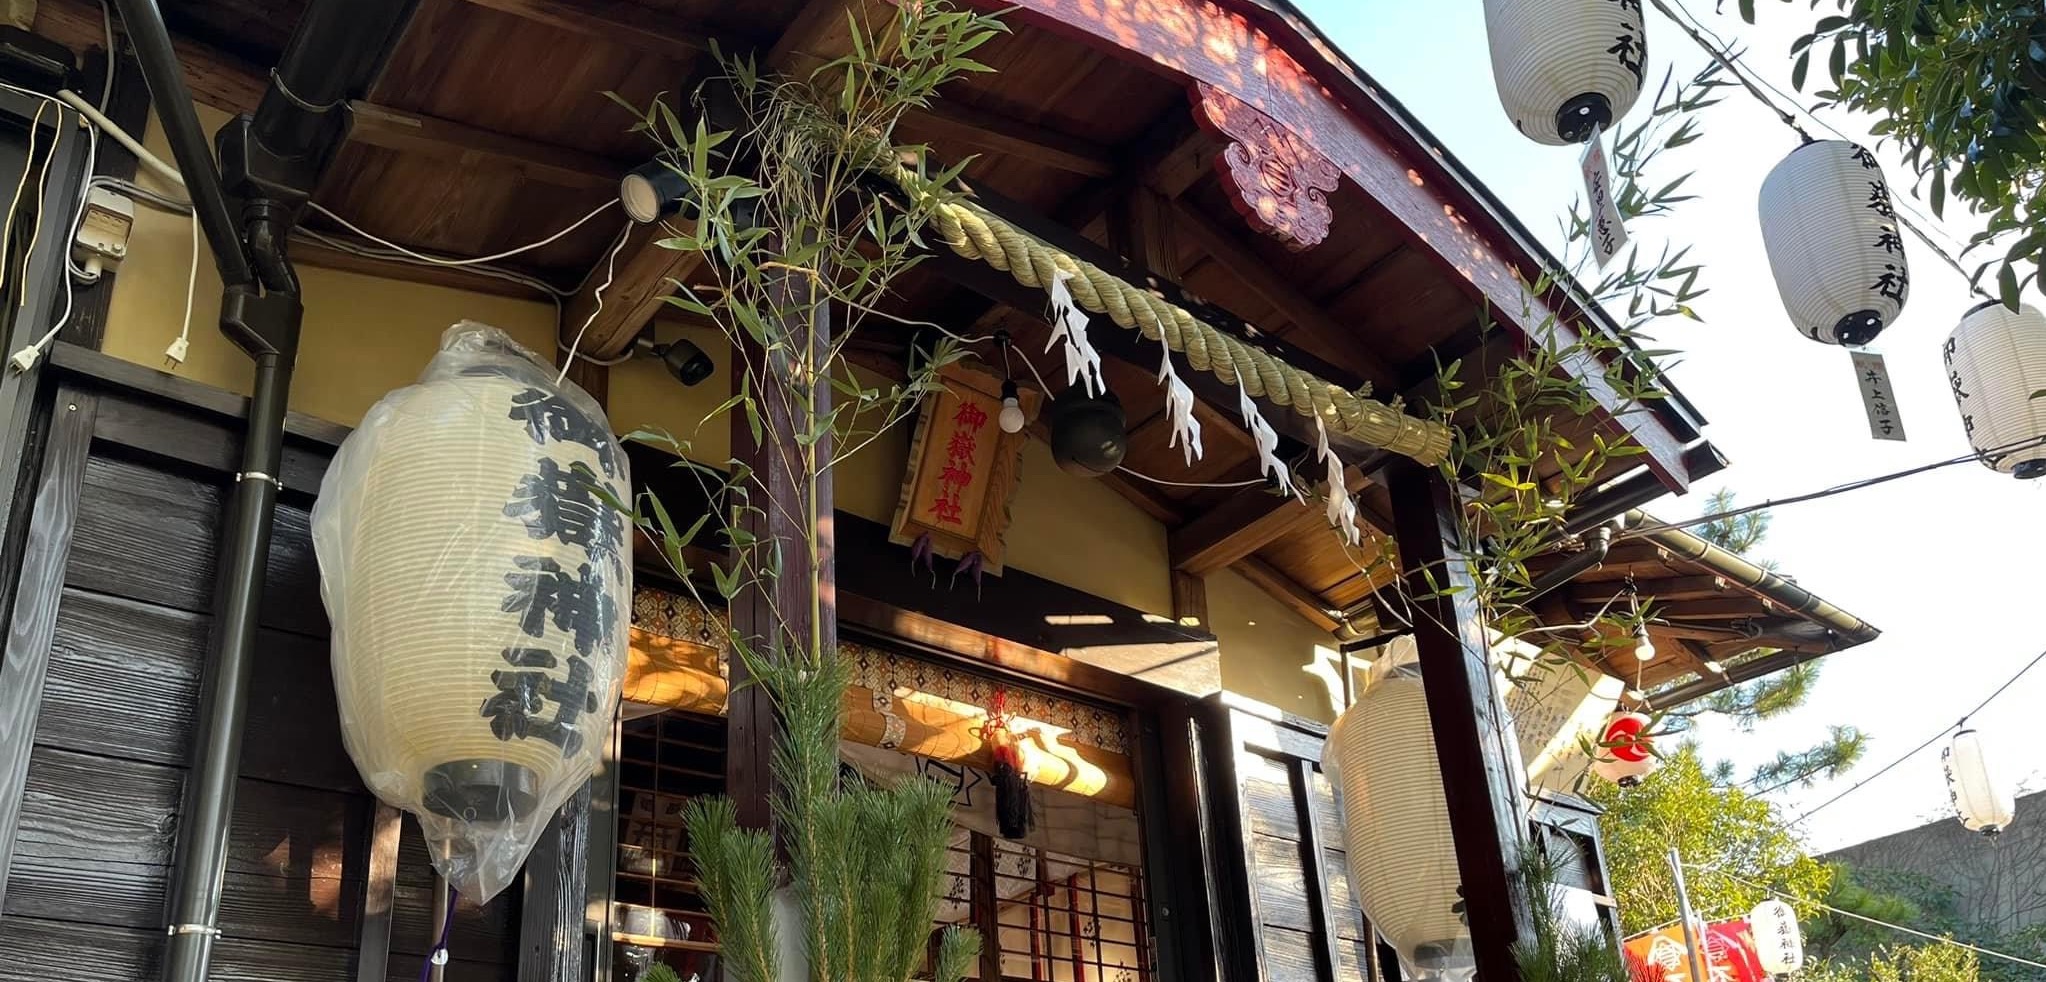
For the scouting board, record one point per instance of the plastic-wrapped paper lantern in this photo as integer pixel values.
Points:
(1779, 945)
(1625, 754)
(479, 587)
(1833, 242)
(1380, 757)
(1564, 67)
(1985, 805)
(1996, 361)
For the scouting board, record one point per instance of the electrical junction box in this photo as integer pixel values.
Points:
(103, 233)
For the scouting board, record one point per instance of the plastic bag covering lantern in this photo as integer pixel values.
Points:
(1996, 361)
(1831, 235)
(1779, 945)
(1564, 67)
(1984, 804)
(1625, 754)
(480, 591)
(1381, 760)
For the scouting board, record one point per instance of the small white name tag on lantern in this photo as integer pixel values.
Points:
(1608, 233)
(1884, 422)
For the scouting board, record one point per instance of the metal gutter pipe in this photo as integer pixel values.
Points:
(173, 104)
(1779, 590)
(1597, 543)
(261, 313)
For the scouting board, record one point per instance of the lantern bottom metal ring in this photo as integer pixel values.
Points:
(481, 790)
(2029, 470)
(1858, 328)
(1576, 119)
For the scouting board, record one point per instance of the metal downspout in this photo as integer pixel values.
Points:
(260, 313)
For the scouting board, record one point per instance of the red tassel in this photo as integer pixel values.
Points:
(1012, 789)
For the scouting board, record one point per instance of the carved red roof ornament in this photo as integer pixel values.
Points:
(1280, 182)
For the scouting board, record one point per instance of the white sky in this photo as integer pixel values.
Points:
(1950, 565)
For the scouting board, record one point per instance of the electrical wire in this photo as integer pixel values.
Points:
(106, 85)
(446, 261)
(1722, 52)
(1942, 939)
(1868, 482)
(610, 273)
(1190, 484)
(1929, 741)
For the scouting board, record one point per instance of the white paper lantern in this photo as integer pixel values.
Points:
(1380, 756)
(1625, 754)
(1563, 67)
(480, 593)
(1833, 242)
(1779, 944)
(1996, 360)
(1984, 803)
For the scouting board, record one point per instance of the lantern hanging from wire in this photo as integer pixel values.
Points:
(1566, 68)
(1381, 759)
(479, 586)
(1985, 805)
(1779, 944)
(1831, 234)
(1996, 364)
(1625, 753)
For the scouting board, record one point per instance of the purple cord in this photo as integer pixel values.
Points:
(440, 946)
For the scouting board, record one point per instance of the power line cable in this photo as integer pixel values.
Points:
(1990, 454)
(1929, 741)
(1726, 56)
(1942, 939)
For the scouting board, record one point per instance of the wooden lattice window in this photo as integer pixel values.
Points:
(1051, 917)
(657, 912)
(1046, 916)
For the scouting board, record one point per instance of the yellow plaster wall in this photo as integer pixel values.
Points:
(1270, 653)
(364, 336)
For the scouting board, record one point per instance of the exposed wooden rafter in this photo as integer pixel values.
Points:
(1241, 526)
(955, 123)
(1309, 317)
(631, 24)
(462, 145)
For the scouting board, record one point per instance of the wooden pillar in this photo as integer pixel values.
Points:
(551, 906)
(774, 612)
(1471, 738)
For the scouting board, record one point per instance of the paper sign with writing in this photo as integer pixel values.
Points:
(1608, 232)
(962, 470)
(1877, 397)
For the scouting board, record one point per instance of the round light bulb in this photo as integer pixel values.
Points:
(1644, 648)
(1715, 668)
(1011, 416)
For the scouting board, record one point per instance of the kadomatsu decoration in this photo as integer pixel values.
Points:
(1831, 234)
(1996, 363)
(479, 586)
(1566, 68)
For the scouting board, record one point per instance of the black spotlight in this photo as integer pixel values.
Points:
(681, 357)
(1088, 438)
(652, 191)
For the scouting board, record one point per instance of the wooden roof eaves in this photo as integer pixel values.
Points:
(1462, 226)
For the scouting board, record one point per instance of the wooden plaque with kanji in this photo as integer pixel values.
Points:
(962, 469)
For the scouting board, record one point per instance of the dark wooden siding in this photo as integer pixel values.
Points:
(1287, 888)
(85, 892)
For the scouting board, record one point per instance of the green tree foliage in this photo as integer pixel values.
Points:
(1774, 695)
(1928, 962)
(1712, 826)
(1957, 84)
